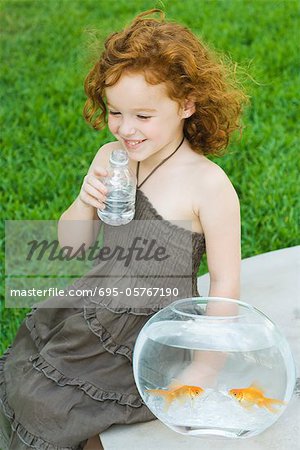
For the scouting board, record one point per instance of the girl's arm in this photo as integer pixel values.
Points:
(219, 213)
(79, 224)
(220, 219)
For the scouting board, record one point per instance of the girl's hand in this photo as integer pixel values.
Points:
(195, 374)
(93, 192)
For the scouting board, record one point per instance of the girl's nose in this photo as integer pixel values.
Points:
(126, 128)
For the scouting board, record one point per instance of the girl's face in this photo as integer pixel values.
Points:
(142, 117)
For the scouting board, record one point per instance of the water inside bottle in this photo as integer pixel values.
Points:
(119, 207)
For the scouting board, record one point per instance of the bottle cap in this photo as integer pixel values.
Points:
(119, 158)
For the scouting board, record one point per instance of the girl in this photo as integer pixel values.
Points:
(169, 103)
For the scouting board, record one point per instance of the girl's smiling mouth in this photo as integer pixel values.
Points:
(133, 144)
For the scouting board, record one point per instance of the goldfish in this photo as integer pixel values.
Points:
(253, 395)
(180, 393)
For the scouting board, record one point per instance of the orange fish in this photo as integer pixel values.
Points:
(181, 393)
(254, 396)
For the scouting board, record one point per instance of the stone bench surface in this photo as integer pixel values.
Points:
(270, 282)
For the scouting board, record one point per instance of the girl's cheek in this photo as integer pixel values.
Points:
(112, 125)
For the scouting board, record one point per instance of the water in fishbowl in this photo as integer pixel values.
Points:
(247, 392)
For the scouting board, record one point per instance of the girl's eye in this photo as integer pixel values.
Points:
(115, 113)
(143, 117)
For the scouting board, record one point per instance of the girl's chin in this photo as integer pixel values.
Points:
(136, 156)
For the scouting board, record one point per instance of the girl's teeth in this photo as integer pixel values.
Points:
(134, 142)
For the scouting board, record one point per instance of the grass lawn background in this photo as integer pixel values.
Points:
(48, 146)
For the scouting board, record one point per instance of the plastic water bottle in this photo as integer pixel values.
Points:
(121, 190)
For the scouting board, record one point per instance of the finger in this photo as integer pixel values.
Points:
(93, 181)
(99, 171)
(97, 204)
(91, 201)
(94, 192)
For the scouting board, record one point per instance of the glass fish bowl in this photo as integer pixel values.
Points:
(214, 366)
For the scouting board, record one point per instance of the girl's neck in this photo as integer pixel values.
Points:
(157, 166)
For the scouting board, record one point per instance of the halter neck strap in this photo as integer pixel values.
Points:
(155, 168)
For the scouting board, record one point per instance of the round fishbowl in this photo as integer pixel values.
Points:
(214, 366)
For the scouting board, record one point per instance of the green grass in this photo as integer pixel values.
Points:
(48, 146)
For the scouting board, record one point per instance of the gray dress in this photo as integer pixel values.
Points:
(68, 374)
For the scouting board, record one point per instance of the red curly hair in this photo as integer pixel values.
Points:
(170, 53)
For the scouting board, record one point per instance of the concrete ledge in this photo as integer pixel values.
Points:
(271, 282)
(284, 435)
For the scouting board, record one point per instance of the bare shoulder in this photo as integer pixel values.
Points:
(212, 182)
(208, 172)
(103, 154)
